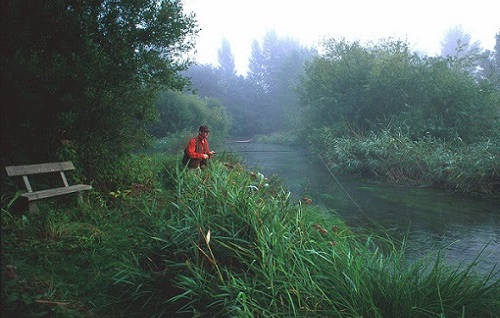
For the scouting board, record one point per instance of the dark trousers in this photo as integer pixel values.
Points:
(193, 163)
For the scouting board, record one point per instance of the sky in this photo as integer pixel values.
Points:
(422, 23)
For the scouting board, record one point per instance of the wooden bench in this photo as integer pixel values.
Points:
(52, 167)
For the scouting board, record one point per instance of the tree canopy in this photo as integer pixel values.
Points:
(79, 78)
(369, 88)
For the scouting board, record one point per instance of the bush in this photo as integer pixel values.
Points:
(398, 158)
(290, 138)
(386, 85)
(180, 113)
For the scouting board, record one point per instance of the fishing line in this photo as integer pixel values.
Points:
(368, 218)
(340, 185)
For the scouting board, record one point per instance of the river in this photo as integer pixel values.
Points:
(431, 220)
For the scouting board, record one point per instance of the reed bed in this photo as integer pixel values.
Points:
(226, 242)
(397, 158)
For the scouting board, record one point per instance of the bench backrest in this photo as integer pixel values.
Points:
(39, 168)
(27, 170)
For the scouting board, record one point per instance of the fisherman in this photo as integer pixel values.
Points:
(197, 151)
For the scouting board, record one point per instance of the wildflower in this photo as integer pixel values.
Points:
(307, 200)
(252, 187)
(320, 229)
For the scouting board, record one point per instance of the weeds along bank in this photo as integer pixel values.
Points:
(426, 161)
(217, 242)
(397, 158)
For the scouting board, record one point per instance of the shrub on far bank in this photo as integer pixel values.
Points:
(281, 138)
(384, 85)
(400, 159)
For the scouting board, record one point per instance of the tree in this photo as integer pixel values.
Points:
(256, 67)
(386, 86)
(497, 52)
(182, 111)
(489, 64)
(457, 43)
(226, 59)
(275, 69)
(204, 79)
(259, 102)
(79, 78)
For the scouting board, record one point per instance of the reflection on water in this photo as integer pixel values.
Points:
(430, 219)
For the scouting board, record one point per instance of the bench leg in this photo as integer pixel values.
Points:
(32, 207)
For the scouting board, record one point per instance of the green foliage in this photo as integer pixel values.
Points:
(79, 78)
(218, 242)
(400, 159)
(133, 169)
(275, 68)
(180, 112)
(281, 138)
(385, 85)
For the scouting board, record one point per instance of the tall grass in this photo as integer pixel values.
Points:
(397, 158)
(290, 138)
(221, 242)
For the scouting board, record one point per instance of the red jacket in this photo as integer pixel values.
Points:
(197, 147)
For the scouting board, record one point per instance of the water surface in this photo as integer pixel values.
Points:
(460, 225)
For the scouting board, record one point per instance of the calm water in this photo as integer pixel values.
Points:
(430, 219)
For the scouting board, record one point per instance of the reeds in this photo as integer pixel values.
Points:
(211, 245)
(430, 161)
(268, 256)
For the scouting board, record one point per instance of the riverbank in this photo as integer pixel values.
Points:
(398, 159)
(218, 242)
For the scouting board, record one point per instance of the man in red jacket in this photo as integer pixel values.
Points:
(197, 150)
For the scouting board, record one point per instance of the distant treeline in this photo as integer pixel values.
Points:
(358, 89)
(266, 99)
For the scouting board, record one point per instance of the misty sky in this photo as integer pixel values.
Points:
(422, 23)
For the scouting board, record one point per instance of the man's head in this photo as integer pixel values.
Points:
(203, 131)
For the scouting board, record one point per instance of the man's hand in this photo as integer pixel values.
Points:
(211, 153)
(205, 156)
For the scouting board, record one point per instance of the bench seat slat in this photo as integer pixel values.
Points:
(31, 196)
(39, 168)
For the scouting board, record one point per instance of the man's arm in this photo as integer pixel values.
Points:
(209, 153)
(191, 150)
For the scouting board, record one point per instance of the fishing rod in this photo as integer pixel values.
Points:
(269, 151)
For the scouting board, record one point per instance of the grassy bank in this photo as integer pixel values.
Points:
(217, 242)
(280, 138)
(427, 161)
